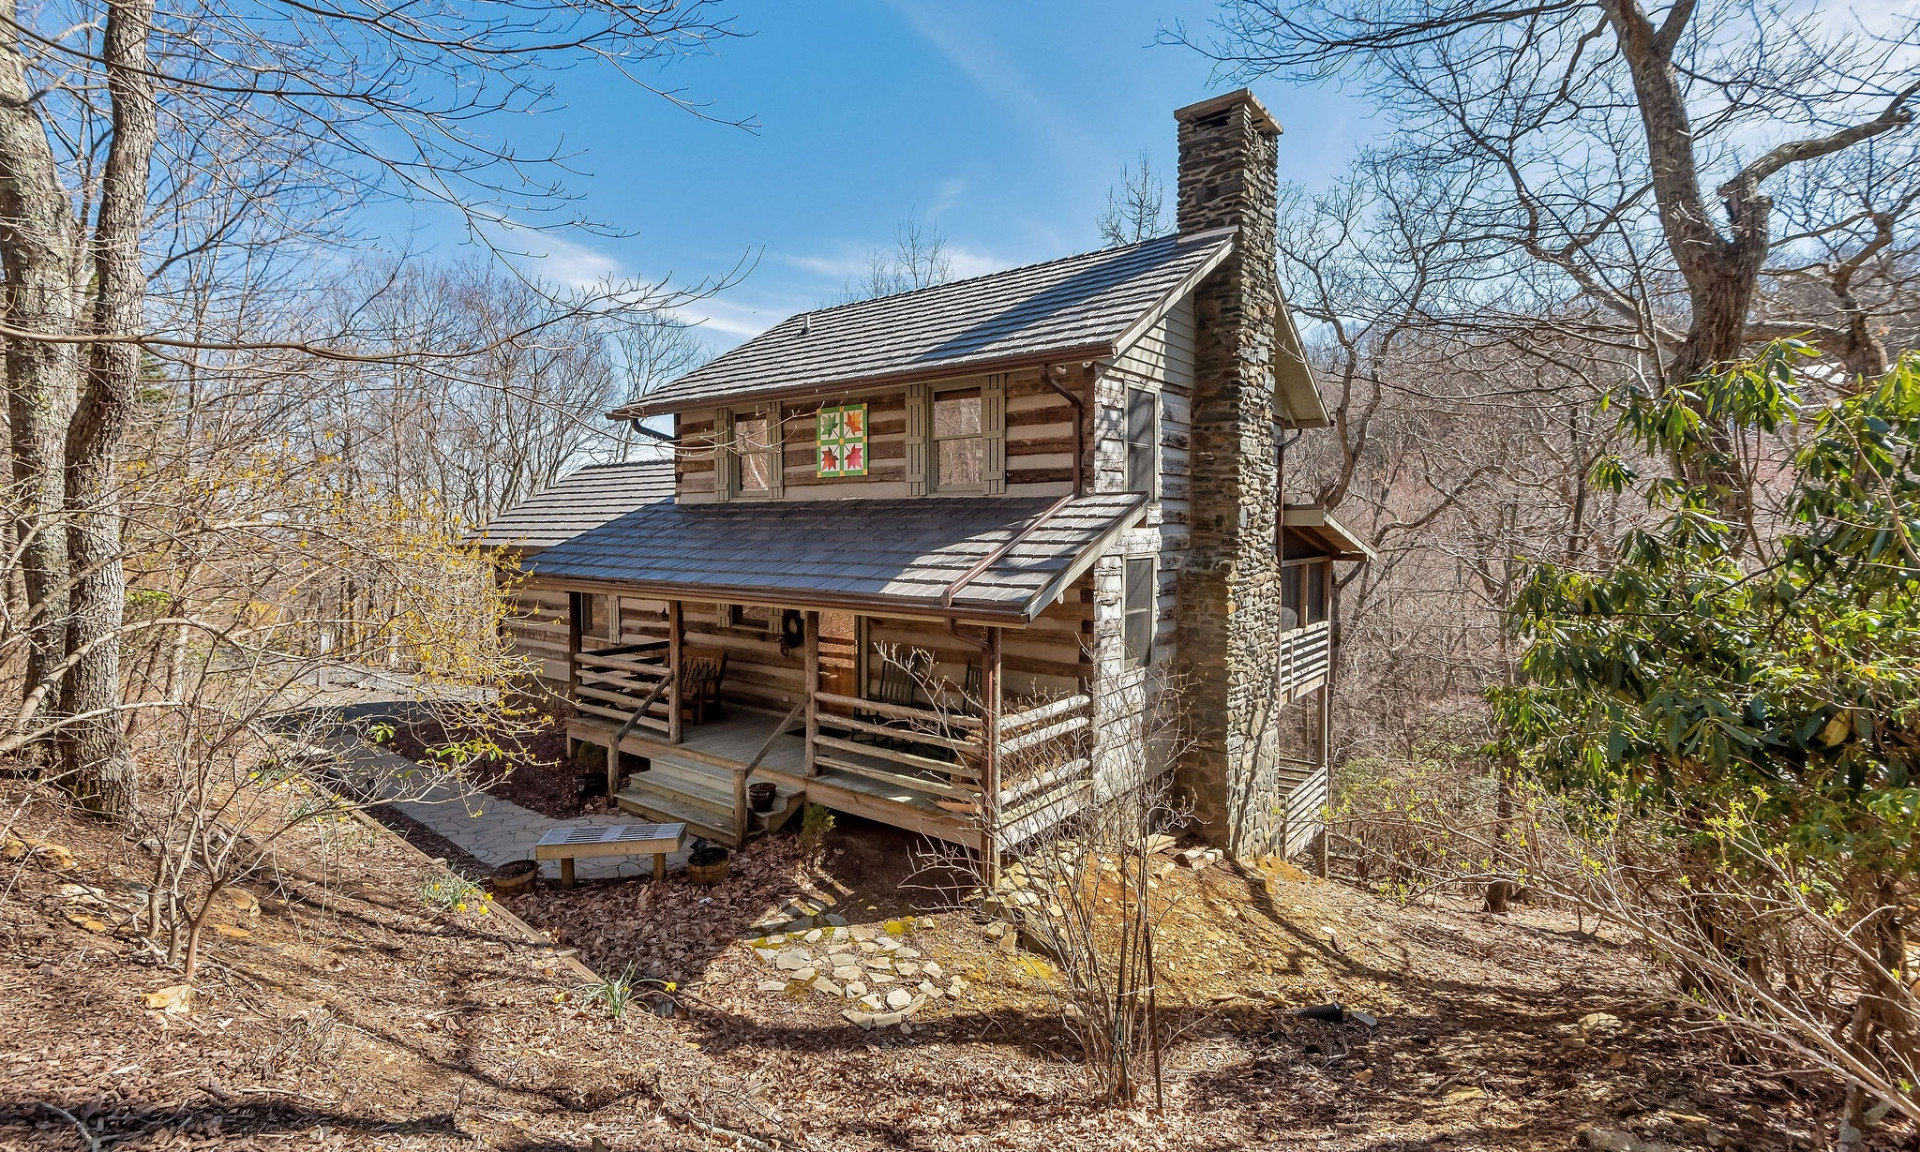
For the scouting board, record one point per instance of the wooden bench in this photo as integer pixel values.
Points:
(567, 844)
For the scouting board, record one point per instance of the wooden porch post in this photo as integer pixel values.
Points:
(810, 683)
(990, 774)
(1326, 774)
(574, 606)
(673, 671)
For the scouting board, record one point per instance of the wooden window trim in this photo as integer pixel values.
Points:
(1308, 614)
(923, 445)
(1131, 657)
(1150, 445)
(728, 620)
(934, 440)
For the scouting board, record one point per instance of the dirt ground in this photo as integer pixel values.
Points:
(536, 773)
(344, 1013)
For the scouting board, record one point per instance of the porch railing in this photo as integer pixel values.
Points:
(1304, 654)
(614, 683)
(941, 753)
(1047, 751)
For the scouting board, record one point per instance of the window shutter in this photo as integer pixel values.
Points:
(723, 454)
(777, 462)
(917, 439)
(993, 426)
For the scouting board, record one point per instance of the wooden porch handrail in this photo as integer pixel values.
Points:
(1033, 785)
(901, 711)
(619, 663)
(852, 725)
(1027, 740)
(1045, 711)
(613, 750)
(778, 730)
(952, 788)
(924, 763)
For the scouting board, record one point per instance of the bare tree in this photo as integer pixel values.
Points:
(919, 260)
(1135, 207)
(382, 99)
(1731, 96)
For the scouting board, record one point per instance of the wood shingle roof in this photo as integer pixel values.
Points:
(584, 499)
(1076, 307)
(892, 555)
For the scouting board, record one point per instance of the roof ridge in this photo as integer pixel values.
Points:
(1178, 237)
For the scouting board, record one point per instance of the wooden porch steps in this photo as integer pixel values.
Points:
(701, 797)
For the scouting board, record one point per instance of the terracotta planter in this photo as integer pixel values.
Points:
(515, 877)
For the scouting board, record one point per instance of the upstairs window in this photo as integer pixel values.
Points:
(959, 441)
(1137, 606)
(753, 454)
(1143, 425)
(748, 460)
(957, 438)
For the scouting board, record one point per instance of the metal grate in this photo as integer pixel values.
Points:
(612, 834)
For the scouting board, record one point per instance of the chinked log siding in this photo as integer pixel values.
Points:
(1039, 443)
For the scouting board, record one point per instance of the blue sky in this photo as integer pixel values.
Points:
(1001, 124)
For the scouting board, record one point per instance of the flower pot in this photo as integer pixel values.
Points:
(514, 877)
(761, 796)
(708, 874)
(708, 863)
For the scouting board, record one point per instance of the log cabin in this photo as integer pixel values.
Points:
(936, 559)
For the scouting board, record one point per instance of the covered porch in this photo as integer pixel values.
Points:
(942, 685)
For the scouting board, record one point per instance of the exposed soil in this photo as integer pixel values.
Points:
(536, 773)
(349, 1014)
(1479, 1041)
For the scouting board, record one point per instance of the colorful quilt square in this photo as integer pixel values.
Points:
(841, 436)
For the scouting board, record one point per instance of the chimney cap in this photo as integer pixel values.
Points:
(1262, 118)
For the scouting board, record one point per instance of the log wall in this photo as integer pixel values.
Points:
(1039, 443)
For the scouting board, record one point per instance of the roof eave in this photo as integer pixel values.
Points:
(1294, 389)
(1180, 291)
(1314, 518)
(1015, 613)
(641, 409)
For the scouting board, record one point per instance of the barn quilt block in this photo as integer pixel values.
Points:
(841, 440)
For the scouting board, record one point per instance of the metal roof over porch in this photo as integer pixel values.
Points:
(988, 559)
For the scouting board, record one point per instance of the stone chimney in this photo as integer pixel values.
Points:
(1230, 588)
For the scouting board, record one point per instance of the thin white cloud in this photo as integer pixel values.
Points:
(946, 196)
(980, 60)
(967, 262)
(846, 263)
(566, 262)
(728, 318)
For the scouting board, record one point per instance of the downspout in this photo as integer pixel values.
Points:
(1079, 428)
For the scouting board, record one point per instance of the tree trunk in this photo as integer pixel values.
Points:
(95, 748)
(37, 259)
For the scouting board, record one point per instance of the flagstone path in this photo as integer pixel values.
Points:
(491, 830)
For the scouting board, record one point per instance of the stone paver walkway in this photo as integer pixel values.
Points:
(491, 830)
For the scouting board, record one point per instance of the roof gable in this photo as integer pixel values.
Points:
(1080, 306)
